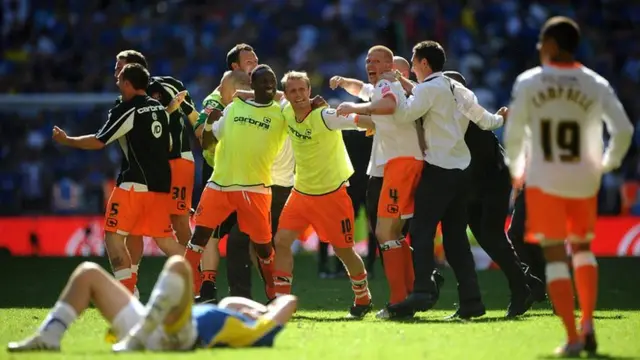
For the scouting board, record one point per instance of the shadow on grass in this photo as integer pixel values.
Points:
(592, 356)
(36, 283)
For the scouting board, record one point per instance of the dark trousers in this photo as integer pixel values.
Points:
(441, 196)
(488, 209)
(530, 254)
(238, 257)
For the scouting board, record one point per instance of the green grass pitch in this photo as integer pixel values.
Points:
(30, 286)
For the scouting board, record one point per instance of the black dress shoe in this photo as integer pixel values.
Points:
(466, 312)
(520, 303)
(416, 301)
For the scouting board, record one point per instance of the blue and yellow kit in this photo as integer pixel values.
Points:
(218, 327)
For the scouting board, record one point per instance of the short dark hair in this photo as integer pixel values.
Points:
(133, 57)
(233, 56)
(137, 75)
(260, 68)
(433, 52)
(564, 31)
(456, 76)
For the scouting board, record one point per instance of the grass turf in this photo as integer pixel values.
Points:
(31, 286)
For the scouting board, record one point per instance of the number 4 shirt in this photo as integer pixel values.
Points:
(556, 116)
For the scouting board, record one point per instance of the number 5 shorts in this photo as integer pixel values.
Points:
(138, 213)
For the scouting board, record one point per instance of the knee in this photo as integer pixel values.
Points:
(86, 270)
(284, 239)
(177, 264)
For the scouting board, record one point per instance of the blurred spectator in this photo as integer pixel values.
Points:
(68, 46)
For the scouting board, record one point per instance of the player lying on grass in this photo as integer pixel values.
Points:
(169, 321)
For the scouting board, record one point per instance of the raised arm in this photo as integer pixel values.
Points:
(333, 121)
(467, 104)
(354, 87)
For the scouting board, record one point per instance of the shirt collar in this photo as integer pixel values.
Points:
(432, 76)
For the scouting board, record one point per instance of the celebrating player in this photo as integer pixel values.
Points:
(138, 203)
(397, 151)
(163, 89)
(558, 109)
(250, 135)
(168, 322)
(319, 197)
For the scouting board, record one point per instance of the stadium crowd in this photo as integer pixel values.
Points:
(490, 42)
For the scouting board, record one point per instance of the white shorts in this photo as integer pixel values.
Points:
(159, 340)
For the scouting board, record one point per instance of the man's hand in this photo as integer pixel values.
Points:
(59, 135)
(318, 102)
(176, 101)
(214, 116)
(336, 82)
(504, 112)
(244, 94)
(391, 76)
(346, 108)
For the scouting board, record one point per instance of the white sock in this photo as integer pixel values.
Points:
(122, 274)
(166, 294)
(134, 269)
(61, 316)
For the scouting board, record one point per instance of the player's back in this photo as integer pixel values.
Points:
(164, 89)
(221, 327)
(565, 106)
(251, 136)
(146, 145)
(394, 138)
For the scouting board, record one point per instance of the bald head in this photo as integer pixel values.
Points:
(402, 65)
(232, 81)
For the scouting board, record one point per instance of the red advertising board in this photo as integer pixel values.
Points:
(83, 235)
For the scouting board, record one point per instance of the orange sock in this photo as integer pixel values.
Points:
(561, 295)
(125, 278)
(193, 254)
(409, 275)
(585, 270)
(393, 257)
(267, 269)
(282, 282)
(360, 287)
(208, 275)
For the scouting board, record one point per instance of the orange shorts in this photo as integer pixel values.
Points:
(551, 217)
(401, 177)
(253, 211)
(330, 215)
(138, 213)
(182, 180)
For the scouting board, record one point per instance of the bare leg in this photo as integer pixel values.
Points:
(211, 256)
(135, 246)
(283, 268)
(182, 228)
(169, 246)
(119, 258)
(88, 283)
(170, 304)
(359, 283)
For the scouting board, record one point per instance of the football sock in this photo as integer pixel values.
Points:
(125, 277)
(561, 295)
(360, 287)
(166, 295)
(585, 270)
(134, 274)
(393, 257)
(409, 275)
(61, 316)
(209, 275)
(267, 270)
(282, 282)
(193, 254)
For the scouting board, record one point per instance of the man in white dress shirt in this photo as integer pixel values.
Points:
(440, 195)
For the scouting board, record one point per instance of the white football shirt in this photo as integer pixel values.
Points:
(556, 117)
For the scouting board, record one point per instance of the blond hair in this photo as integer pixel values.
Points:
(382, 49)
(295, 75)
